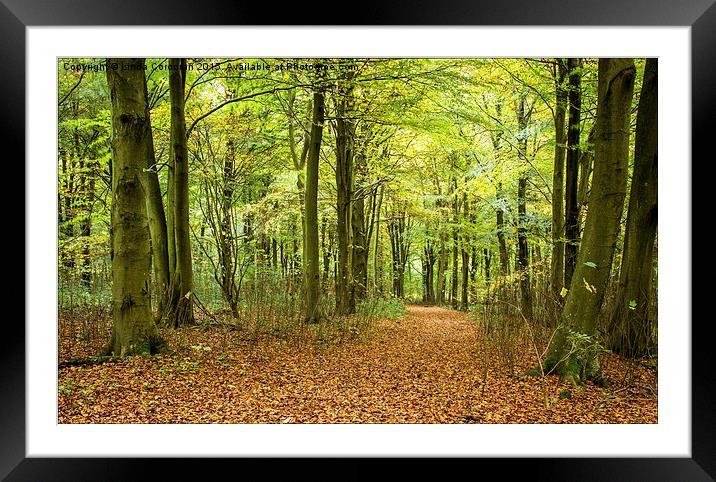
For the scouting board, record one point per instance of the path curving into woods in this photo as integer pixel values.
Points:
(424, 368)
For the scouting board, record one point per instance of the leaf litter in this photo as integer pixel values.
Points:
(426, 368)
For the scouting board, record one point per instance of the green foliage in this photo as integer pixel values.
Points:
(583, 354)
(390, 308)
(73, 294)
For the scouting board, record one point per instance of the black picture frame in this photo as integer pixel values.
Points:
(16, 15)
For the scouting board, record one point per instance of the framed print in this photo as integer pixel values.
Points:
(41, 442)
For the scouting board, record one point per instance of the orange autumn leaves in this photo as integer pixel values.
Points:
(424, 368)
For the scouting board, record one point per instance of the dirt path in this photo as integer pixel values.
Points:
(425, 368)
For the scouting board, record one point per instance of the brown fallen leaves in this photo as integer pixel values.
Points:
(426, 368)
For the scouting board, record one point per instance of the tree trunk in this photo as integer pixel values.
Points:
(630, 329)
(359, 260)
(429, 272)
(454, 277)
(464, 302)
(571, 222)
(399, 250)
(133, 329)
(157, 220)
(326, 255)
(171, 236)
(182, 302)
(522, 250)
(456, 220)
(377, 270)
(573, 350)
(557, 268)
(586, 159)
(502, 243)
(487, 256)
(345, 130)
(442, 268)
(311, 263)
(501, 206)
(428, 262)
(87, 181)
(225, 235)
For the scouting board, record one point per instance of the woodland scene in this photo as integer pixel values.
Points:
(357, 240)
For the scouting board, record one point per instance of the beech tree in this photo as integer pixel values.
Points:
(630, 329)
(182, 303)
(557, 267)
(345, 130)
(312, 281)
(133, 328)
(156, 218)
(571, 209)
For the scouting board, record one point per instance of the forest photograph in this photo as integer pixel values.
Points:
(357, 241)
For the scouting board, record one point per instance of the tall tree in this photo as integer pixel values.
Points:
(311, 273)
(429, 258)
(345, 151)
(630, 328)
(377, 266)
(299, 162)
(465, 255)
(156, 218)
(523, 115)
(182, 303)
(571, 222)
(133, 328)
(456, 221)
(360, 230)
(501, 239)
(571, 352)
(399, 246)
(442, 266)
(557, 268)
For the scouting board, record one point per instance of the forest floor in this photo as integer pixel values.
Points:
(431, 366)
